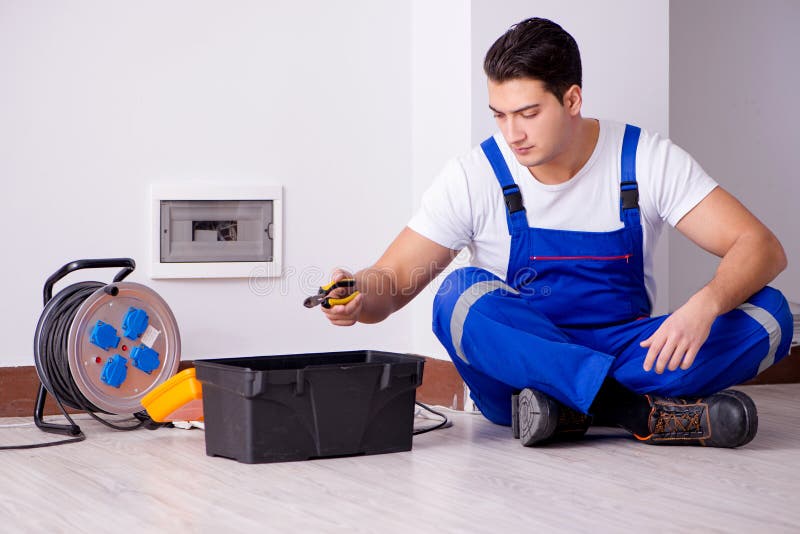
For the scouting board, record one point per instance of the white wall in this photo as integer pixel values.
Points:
(100, 99)
(106, 98)
(733, 107)
(441, 100)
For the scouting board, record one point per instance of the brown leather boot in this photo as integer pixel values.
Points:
(724, 419)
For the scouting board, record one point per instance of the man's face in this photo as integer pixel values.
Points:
(533, 122)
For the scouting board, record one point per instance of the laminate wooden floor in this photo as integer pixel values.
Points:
(472, 477)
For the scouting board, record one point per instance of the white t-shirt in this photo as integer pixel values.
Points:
(464, 206)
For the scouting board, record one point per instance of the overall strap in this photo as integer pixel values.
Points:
(629, 212)
(629, 192)
(516, 216)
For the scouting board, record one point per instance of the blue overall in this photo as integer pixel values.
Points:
(573, 310)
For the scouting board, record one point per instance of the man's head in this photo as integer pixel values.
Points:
(534, 72)
(538, 49)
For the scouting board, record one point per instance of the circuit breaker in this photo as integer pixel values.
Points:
(211, 232)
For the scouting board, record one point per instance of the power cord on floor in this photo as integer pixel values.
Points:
(80, 437)
(444, 423)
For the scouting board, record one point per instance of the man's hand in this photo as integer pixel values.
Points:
(679, 338)
(343, 314)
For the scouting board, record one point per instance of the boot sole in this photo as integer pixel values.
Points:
(538, 417)
(515, 416)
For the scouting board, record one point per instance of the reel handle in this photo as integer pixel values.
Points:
(53, 428)
(127, 265)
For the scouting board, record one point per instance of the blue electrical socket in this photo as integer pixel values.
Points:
(104, 336)
(115, 371)
(134, 323)
(145, 358)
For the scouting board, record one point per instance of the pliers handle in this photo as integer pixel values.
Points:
(322, 298)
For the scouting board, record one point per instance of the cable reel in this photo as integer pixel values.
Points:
(100, 348)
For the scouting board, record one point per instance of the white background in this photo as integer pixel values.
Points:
(351, 106)
(733, 105)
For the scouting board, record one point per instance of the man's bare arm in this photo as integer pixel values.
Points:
(751, 257)
(751, 254)
(405, 269)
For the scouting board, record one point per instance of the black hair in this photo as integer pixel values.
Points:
(536, 48)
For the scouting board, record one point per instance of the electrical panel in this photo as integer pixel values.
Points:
(216, 231)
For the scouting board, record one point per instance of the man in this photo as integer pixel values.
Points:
(550, 325)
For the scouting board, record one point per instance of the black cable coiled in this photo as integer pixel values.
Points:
(51, 353)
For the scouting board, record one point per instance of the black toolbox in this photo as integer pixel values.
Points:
(302, 406)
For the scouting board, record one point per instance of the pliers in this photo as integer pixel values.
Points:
(328, 302)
